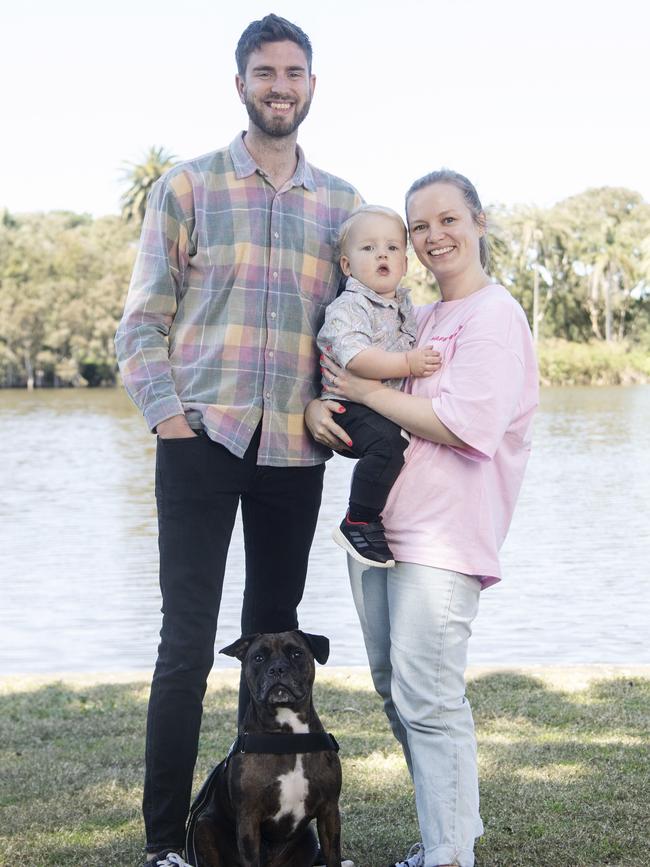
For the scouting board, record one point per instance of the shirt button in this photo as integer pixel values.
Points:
(273, 315)
(276, 234)
(271, 354)
(275, 273)
(268, 395)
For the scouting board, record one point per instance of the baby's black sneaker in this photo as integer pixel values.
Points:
(366, 543)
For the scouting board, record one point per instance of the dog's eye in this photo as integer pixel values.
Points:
(259, 657)
(296, 653)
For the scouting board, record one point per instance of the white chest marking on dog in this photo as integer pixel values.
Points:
(286, 716)
(294, 786)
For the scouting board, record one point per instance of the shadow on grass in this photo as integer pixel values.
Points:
(564, 775)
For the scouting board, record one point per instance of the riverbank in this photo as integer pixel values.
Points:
(563, 363)
(564, 753)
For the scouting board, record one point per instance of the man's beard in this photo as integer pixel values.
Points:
(277, 127)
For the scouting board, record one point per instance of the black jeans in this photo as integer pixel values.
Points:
(198, 487)
(379, 445)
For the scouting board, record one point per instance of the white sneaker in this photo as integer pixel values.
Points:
(414, 857)
(172, 860)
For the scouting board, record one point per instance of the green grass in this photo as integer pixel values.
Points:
(596, 363)
(564, 757)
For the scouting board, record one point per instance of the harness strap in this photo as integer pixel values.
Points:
(284, 744)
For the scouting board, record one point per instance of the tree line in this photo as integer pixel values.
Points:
(580, 269)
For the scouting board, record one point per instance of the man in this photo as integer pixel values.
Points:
(216, 347)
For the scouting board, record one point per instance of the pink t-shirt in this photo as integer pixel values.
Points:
(451, 508)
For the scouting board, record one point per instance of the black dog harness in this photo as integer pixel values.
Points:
(252, 742)
(283, 744)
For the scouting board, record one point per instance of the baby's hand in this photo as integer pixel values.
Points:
(423, 362)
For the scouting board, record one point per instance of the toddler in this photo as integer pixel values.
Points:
(370, 329)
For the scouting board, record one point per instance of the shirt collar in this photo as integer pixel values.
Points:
(245, 165)
(354, 285)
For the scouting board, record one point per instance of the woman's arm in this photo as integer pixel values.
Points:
(414, 414)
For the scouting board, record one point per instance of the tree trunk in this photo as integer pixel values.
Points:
(29, 369)
(608, 310)
(593, 317)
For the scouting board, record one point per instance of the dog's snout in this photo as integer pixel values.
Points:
(276, 669)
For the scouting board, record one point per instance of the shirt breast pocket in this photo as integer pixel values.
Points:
(318, 272)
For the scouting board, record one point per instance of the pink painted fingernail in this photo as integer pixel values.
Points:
(341, 409)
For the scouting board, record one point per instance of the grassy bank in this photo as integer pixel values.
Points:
(564, 363)
(564, 753)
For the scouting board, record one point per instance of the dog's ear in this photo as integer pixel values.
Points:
(318, 644)
(240, 647)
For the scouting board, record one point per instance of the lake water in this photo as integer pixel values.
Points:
(78, 555)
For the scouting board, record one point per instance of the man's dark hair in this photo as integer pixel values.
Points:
(271, 28)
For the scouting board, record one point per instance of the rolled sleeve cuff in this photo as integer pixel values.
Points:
(161, 410)
(347, 353)
(475, 450)
(351, 345)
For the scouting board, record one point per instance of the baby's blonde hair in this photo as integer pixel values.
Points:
(346, 225)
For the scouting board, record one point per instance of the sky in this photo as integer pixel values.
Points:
(533, 101)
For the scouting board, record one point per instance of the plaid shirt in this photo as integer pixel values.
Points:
(228, 293)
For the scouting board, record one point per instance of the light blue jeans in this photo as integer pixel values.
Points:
(416, 622)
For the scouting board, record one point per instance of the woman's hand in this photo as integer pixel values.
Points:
(319, 418)
(341, 383)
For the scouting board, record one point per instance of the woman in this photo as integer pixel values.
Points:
(449, 511)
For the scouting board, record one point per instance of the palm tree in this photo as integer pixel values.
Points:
(527, 249)
(609, 227)
(541, 245)
(141, 177)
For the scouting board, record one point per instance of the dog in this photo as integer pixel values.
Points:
(282, 772)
